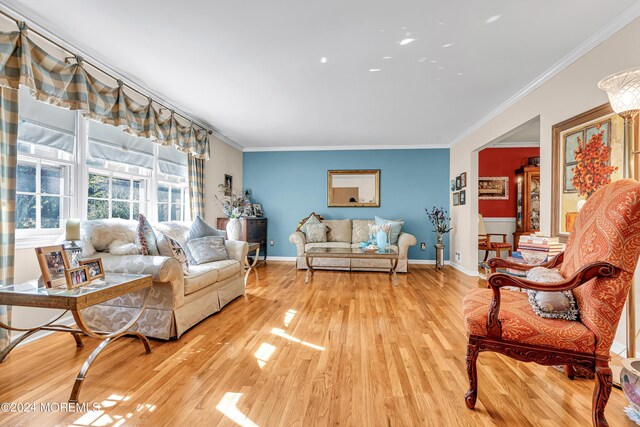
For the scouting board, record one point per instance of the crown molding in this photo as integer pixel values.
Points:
(344, 147)
(619, 22)
(507, 144)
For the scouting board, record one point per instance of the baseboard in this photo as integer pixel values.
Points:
(280, 258)
(67, 321)
(426, 262)
(464, 270)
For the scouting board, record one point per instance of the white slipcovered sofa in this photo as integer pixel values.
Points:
(178, 301)
(347, 233)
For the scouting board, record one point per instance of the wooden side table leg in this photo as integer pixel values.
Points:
(309, 274)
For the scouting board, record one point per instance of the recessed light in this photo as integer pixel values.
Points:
(492, 19)
(386, 57)
(374, 70)
(434, 60)
(406, 41)
(421, 60)
(440, 23)
(447, 45)
(403, 28)
(459, 74)
(323, 60)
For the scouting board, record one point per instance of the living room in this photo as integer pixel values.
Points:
(359, 213)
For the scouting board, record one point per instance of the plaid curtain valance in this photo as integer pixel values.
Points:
(69, 84)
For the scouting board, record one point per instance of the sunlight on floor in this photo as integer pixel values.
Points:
(288, 316)
(263, 354)
(228, 407)
(279, 332)
(99, 418)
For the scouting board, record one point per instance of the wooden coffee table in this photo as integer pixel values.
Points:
(74, 300)
(351, 253)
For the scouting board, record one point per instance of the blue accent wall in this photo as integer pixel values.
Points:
(292, 184)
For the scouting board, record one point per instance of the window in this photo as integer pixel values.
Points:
(111, 196)
(173, 191)
(46, 141)
(40, 194)
(120, 173)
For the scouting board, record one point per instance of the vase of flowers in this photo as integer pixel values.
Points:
(593, 169)
(441, 222)
(233, 207)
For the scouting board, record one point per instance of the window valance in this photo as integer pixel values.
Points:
(69, 84)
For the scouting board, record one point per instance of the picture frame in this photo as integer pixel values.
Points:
(76, 277)
(53, 261)
(463, 197)
(228, 185)
(257, 209)
(493, 188)
(96, 270)
(458, 182)
(463, 180)
(456, 199)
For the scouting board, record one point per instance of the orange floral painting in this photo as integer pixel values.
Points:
(592, 169)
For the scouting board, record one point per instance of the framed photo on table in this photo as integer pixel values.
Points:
(96, 270)
(76, 277)
(53, 261)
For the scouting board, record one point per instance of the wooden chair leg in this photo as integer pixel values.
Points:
(601, 392)
(571, 373)
(471, 395)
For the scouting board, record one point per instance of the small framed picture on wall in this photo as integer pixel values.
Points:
(228, 184)
(456, 199)
(458, 182)
(463, 179)
(463, 197)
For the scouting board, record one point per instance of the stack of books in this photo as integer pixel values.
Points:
(538, 243)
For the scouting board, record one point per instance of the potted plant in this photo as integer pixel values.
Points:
(233, 207)
(440, 221)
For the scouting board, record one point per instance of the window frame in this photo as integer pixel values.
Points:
(184, 196)
(143, 197)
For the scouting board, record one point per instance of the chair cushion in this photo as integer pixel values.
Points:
(521, 325)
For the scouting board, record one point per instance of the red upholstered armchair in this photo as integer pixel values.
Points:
(598, 267)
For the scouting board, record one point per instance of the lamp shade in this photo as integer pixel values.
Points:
(623, 89)
(72, 229)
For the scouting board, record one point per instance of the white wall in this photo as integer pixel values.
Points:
(571, 92)
(225, 159)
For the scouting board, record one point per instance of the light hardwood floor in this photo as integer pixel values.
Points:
(349, 349)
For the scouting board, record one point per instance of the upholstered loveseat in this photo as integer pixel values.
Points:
(347, 233)
(178, 301)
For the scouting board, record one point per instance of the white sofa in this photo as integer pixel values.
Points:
(347, 233)
(177, 302)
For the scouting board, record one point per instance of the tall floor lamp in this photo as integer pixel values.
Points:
(623, 89)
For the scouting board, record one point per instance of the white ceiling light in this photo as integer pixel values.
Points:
(386, 57)
(323, 60)
(447, 45)
(492, 19)
(623, 89)
(406, 41)
(374, 70)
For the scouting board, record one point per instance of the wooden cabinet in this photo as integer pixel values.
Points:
(527, 202)
(254, 230)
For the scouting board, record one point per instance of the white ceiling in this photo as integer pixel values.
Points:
(525, 135)
(253, 69)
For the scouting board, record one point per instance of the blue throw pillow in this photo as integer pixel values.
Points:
(395, 228)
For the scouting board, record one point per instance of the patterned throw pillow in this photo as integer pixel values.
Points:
(395, 226)
(316, 233)
(207, 249)
(200, 229)
(145, 237)
(171, 248)
(303, 221)
(551, 305)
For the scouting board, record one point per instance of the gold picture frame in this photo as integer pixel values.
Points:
(357, 188)
(76, 277)
(53, 261)
(96, 270)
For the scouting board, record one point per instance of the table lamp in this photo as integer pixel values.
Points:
(623, 89)
(72, 233)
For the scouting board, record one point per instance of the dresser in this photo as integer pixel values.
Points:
(254, 230)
